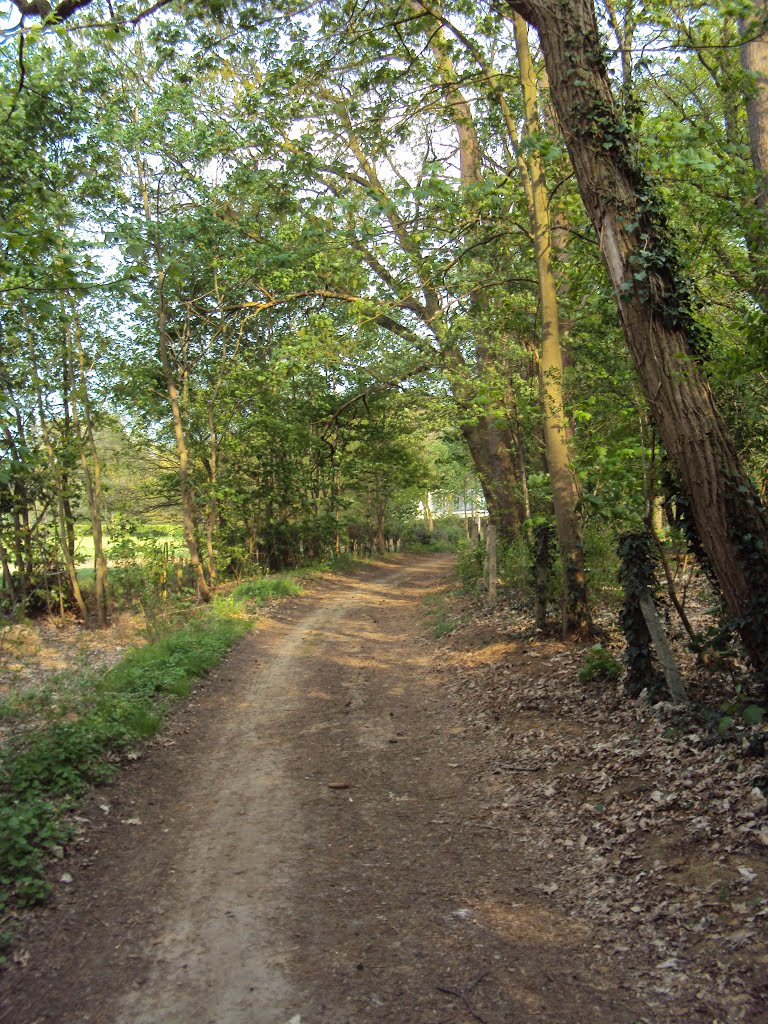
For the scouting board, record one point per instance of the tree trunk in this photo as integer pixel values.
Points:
(90, 464)
(577, 621)
(58, 477)
(492, 446)
(656, 311)
(565, 493)
(188, 508)
(754, 60)
(493, 454)
(428, 512)
(22, 534)
(213, 511)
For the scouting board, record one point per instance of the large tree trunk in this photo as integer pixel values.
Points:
(656, 311)
(492, 447)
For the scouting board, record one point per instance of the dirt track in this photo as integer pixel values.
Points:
(230, 877)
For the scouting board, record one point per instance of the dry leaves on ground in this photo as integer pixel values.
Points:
(653, 826)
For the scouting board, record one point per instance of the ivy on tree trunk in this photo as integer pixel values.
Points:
(656, 309)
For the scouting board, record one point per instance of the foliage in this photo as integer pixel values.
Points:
(469, 568)
(739, 712)
(446, 534)
(516, 569)
(599, 666)
(259, 591)
(269, 222)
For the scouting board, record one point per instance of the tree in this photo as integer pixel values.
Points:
(550, 362)
(754, 59)
(656, 310)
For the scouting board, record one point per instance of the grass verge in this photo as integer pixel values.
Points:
(59, 739)
(266, 588)
(68, 736)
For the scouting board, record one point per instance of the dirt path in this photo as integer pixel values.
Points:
(229, 878)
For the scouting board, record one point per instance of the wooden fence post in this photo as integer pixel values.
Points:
(490, 554)
(474, 536)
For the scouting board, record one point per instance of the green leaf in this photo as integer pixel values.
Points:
(753, 714)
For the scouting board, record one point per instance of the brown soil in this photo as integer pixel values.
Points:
(338, 828)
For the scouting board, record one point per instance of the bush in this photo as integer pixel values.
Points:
(600, 666)
(515, 569)
(469, 568)
(602, 564)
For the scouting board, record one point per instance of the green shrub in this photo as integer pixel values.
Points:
(602, 562)
(515, 569)
(600, 666)
(469, 568)
(440, 620)
(29, 830)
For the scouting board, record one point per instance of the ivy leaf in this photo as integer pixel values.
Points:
(753, 714)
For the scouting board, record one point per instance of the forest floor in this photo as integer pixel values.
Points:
(352, 821)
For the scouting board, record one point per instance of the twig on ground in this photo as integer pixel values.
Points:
(463, 995)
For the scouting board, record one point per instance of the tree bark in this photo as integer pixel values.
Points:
(577, 620)
(754, 60)
(90, 464)
(492, 447)
(656, 311)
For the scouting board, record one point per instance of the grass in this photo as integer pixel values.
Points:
(68, 734)
(265, 588)
(430, 548)
(438, 615)
(172, 536)
(79, 725)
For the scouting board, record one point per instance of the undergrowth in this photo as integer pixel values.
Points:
(438, 615)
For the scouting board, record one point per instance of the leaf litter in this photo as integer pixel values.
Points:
(647, 827)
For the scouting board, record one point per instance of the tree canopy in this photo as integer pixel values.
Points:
(304, 265)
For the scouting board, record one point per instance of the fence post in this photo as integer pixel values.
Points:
(490, 554)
